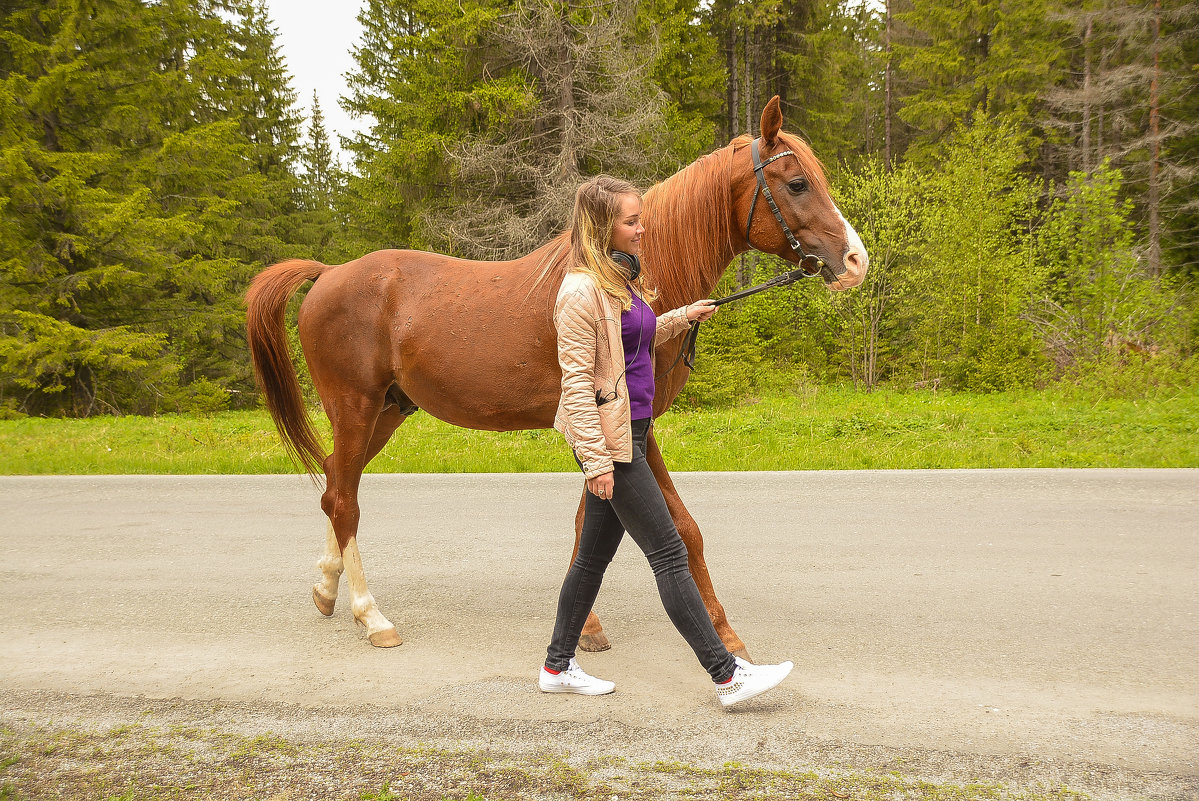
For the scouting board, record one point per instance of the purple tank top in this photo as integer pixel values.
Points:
(637, 328)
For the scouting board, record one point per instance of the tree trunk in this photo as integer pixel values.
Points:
(748, 85)
(1155, 232)
(887, 89)
(569, 165)
(1085, 164)
(731, 61)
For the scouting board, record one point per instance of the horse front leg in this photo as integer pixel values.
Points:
(592, 638)
(689, 531)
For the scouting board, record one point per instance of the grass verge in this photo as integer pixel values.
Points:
(826, 428)
(148, 763)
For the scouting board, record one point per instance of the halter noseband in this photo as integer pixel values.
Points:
(809, 264)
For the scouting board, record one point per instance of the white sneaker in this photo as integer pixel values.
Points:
(573, 680)
(750, 680)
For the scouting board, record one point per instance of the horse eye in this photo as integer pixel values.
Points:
(798, 185)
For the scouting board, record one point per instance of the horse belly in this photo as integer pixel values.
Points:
(492, 374)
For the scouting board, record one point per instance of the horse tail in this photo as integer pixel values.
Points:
(266, 305)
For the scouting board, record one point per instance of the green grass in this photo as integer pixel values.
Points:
(827, 428)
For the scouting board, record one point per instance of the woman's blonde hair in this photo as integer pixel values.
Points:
(597, 210)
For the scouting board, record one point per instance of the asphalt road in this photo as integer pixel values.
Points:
(1032, 624)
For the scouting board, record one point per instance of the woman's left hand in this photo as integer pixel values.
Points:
(701, 310)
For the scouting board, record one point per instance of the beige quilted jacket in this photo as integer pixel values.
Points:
(591, 355)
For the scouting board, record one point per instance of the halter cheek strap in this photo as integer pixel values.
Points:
(811, 265)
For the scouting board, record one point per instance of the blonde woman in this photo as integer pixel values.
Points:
(606, 335)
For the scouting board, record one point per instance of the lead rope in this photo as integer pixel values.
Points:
(687, 352)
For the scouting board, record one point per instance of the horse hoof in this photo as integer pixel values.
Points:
(594, 642)
(388, 638)
(325, 605)
(744, 654)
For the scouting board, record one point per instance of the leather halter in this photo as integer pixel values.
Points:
(810, 265)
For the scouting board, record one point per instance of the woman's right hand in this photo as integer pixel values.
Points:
(601, 486)
(701, 310)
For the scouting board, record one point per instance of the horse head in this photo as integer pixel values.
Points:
(784, 170)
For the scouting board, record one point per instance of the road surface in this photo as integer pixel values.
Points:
(1031, 625)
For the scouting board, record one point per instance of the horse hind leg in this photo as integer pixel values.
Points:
(324, 592)
(331, 564)
(343, 469)
(693, 539)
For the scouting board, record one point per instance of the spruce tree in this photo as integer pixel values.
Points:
(419, 80)
(139, 202)
(976, 57)
(587, 104)
(81, 245)
(320, 189)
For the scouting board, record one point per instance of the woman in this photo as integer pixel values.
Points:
(606, 337)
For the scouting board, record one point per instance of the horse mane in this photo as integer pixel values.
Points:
(688, 226)
(689, 238)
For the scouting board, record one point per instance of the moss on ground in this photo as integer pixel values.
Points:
(144, 762)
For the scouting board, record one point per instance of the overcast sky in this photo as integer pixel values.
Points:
(316, 37)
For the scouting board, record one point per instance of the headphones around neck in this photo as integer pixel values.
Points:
(628, 262)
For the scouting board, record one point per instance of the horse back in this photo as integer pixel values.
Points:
(470, 342)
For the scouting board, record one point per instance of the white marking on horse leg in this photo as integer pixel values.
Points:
(378, 628)
(324, 592)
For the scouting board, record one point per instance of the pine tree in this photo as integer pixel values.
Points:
(1181, 196)
(486, 115)
(836, 100)
(81, 244)
(420, 81)
(588, 105)
(239, 183)
(321, 173)
(765, 49)
(1123, 100)
(686, 65)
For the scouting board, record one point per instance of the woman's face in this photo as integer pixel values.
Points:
(626, 234)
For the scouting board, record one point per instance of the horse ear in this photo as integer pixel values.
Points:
(772, 120)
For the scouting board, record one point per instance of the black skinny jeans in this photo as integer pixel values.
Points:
(637, 506)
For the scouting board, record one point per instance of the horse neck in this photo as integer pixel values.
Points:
(689, 239)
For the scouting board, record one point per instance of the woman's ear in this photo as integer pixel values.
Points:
(772, 121)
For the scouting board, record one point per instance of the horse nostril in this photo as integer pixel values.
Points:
(855, 261)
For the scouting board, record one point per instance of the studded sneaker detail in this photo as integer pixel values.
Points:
(750, 680)
(573, 680)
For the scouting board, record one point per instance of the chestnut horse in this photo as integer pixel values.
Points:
(473, 343)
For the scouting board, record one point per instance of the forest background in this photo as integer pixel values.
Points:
(1023, 173)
